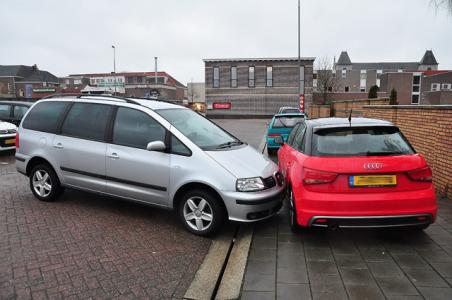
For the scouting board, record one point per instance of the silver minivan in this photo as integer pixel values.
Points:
(147, 151)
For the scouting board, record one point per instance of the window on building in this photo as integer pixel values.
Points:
(251, 82)
(379, 72)
(314, 75)
(416, 79)
(435, 87)
(347, 89)
(216, 77)
(415, 88)
(77, 81)
(269, 76)
(139, 79)
(400, 70)
(378, 82)
(334, 73)
(362, 89)
(344, 72)
(233, 77)
(130, 79)
(330, 89)
(415, 99)
(446, 86)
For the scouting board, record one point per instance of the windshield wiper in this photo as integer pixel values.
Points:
(229, 144)
(369, 153)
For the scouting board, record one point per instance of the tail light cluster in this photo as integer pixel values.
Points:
(312, 176)
(422, 174)
(17, 140)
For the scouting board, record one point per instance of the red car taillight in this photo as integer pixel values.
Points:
(273, 134)
(17, 140)
(422, 174)
(318, 177)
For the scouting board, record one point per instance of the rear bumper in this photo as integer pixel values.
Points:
(3, 142)
(371, 221)
(373, 210)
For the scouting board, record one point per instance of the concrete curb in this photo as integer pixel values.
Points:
(231, 283)
(206, 278)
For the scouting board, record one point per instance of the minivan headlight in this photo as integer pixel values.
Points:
(250, 184)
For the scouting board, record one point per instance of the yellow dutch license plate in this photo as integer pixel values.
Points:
(10, 142)
(372, 181)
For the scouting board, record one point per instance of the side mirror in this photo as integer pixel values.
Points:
(156, 146)
(279, 140)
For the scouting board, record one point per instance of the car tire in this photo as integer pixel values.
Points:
(293, 224)
(201, 212)
(44, 183)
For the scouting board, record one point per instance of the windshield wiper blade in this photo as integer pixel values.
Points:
(229, 144)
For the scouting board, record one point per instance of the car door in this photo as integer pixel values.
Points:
(293, 150)
(132, 171)
(80, 146)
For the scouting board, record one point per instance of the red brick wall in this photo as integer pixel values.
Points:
(429, 130)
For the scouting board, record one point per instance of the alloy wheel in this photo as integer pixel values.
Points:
(198, 213)
(42, 184)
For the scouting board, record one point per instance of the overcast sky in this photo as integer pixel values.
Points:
(67, 37)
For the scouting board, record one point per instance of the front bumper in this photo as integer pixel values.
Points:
(254, 206)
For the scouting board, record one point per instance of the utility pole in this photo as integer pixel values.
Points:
(155, 73)
(114, 66)
(300, 91)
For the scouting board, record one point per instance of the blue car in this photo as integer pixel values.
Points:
(281, 124)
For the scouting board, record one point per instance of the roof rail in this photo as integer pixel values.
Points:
(80, 96)
(159, 100)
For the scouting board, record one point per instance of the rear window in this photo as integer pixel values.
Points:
(44, 116)
(287, 121)
(362, 141)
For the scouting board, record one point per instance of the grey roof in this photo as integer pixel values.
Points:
(429, 58)
(344, 59)
(344, 121)
(406, 66)
(257, 59)
(27, 73)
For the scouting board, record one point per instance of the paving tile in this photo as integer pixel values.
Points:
(357, 276)
(371, 254)
(319, 254)
(410, 260)
(327, 289)
(292, 275)
(385, 269)
(260, 267)
(316, 268)
(436, 293)
(396, 286)
(444, 268)
(369, 292)
(251, 295)
(425, 277)
(293, 291)
(259, 282)
(264, 242)
(349, 261)
(263, 254)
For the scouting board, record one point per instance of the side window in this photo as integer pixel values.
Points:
(4, 111)
(19, 112)
(177, 147)
(87, 121)
(134, 128)
(292, 135)
(44, 116)
(298, 140)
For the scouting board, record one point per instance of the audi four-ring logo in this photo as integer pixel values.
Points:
(373, 166)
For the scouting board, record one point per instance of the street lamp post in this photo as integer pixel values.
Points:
(114, 66)
(301, 99)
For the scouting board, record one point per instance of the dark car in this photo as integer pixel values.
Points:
(13, 111)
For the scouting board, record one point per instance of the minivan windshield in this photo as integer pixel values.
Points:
(204, 133)
(287, 121)
(360, 141)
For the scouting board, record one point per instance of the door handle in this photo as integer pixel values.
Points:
(113, 155)
(58, 146)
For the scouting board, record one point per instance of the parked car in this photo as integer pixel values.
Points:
(288, 110)
(13, 111)
(7, 136)
(357, 173)
(150, 152)
(281, 125)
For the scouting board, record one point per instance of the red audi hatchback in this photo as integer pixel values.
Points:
(357, 173)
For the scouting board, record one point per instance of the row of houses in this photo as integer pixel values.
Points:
(251, 86)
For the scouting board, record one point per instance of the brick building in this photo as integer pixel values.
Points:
(26, 82)
(138, 84)
(255, 86)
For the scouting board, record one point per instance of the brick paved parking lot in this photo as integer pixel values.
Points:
(89, 246)
(346, 264)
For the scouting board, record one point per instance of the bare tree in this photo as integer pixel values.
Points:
(326, 79)
(191, 92)
(440, 4)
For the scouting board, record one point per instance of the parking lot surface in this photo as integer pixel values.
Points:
(346, 264)
(89, 246)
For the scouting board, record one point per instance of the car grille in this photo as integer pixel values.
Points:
(7, 131)
(269, 182)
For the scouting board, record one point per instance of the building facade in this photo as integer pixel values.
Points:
(134, 84)
(256, 86)
(26, 82)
